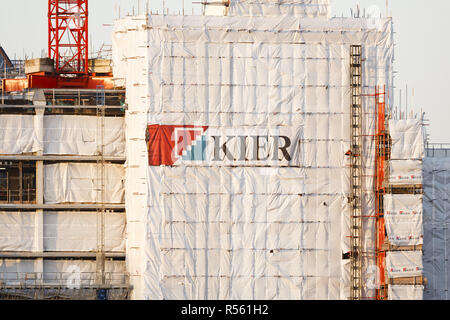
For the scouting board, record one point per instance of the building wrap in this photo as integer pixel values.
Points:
(237, 177)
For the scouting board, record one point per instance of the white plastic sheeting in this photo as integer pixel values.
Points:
(62, 231)
(17, 231)
(403, 217)
(404, 213)
(285, 35)
(407, 139)
(18, 135)
(405, 292)
(299, 8)
(401, 264)
(405, 172)
(240, 238)
(77, 231)
(80, 183)
(436, 206)
(80, 135)
(60, 135)
(231, 231)
(278, 181)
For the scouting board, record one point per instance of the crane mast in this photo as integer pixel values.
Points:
(68, 36)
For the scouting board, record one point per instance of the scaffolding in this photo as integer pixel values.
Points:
(438, 150)
(383, 187)
(54, 286)
(100, 98)
(17, 182)
(22, 185)
(386, 187)
(356, 171)
(382, 153)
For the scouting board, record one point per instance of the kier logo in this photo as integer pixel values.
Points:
(167, 144)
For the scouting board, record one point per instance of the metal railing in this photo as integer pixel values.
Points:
(68, 280)
(438, 150)
(15, 196)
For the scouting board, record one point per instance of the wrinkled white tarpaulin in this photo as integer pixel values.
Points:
(404, 213)
(403, 264)
(18, 134)
(405, 172)
(403, 217)
(436, 206)
(407, 139)
(229, 230)
(266, 8)
(405, 292)
(17, 231)
(60, 135)
(79, 135)
(63, 231)
(77, 231)
(80, 183)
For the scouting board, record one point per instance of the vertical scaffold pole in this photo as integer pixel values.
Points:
(100, 188)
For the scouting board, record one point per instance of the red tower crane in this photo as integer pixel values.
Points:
(68, 36)
(68, 48)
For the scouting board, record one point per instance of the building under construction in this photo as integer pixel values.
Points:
(247, 155)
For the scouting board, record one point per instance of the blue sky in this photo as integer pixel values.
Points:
(421, 34)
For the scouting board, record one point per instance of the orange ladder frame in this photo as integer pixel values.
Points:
(381, 158)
